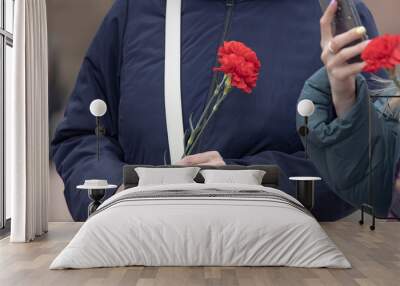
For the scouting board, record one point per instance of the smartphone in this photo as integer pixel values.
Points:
(347, 18)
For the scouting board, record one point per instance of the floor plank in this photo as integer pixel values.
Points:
(375, 257)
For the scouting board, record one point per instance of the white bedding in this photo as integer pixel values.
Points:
(205, 231)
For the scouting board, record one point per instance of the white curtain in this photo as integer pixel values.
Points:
(27, 140)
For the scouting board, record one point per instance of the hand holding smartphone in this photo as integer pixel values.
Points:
(341, 50)
(346, 18)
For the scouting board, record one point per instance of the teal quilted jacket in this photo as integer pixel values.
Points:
(339, 147)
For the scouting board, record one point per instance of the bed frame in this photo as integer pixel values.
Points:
(271, 178)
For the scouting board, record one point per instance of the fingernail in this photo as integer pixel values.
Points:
(332, 2)
(361, 30)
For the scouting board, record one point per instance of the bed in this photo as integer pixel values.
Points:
(201, 224)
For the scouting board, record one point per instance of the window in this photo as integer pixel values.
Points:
(6, 62)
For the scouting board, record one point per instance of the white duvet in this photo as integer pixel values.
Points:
(200, 232)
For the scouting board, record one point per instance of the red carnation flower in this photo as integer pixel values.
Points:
(382, 52)
(240, 63)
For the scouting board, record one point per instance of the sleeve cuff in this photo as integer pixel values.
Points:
(325, 127)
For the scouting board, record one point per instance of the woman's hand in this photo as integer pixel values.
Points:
(211, 158)
(342, 75)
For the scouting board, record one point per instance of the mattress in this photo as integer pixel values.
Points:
(201, 225)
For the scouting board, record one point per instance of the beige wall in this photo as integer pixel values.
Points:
(386, 13)
(71, 26)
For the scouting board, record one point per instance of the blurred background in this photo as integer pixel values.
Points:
(386, 13)
(71, 27)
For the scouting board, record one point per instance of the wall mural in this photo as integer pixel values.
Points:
(229, 118)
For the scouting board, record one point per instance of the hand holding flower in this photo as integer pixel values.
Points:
(210, 158)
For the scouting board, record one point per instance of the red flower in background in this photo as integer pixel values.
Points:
(382, 52)
(240, 63)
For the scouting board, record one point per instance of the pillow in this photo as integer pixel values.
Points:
(166, 176)
(247, 177)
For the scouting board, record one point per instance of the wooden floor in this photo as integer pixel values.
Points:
(375, 257)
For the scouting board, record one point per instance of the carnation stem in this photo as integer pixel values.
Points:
(203, 127)
(207, 114)
(209, 103)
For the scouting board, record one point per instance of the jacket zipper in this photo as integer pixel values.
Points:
(228, 19)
